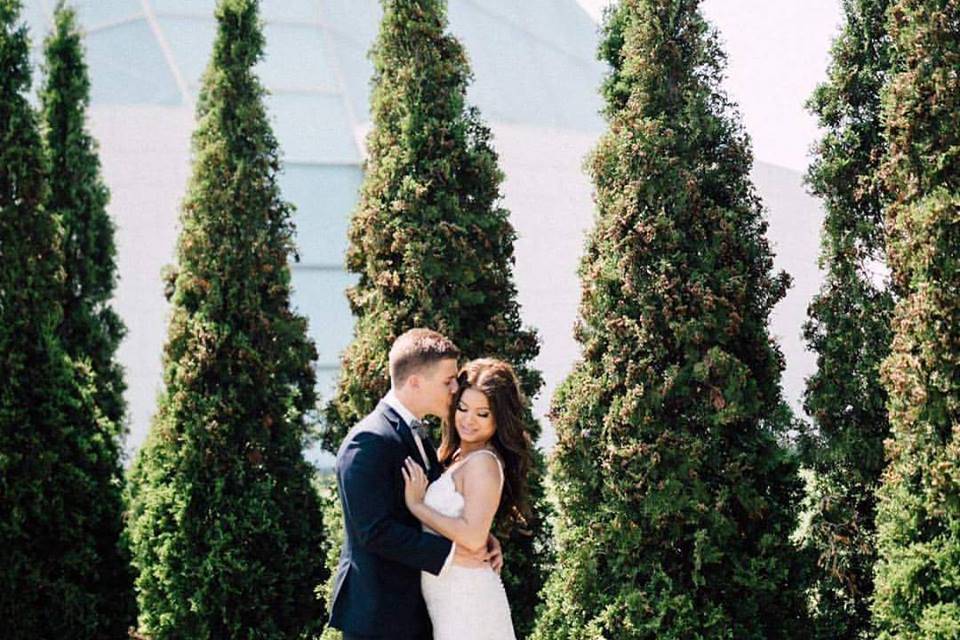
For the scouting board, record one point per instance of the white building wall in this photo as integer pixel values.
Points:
(144, 152)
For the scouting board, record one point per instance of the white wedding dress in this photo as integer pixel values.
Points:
(465, 603)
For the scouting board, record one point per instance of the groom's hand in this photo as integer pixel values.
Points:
(494, 553)
(476, 559)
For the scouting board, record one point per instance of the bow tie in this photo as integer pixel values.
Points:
(420, 429)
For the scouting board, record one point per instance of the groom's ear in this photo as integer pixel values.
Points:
(413, 382)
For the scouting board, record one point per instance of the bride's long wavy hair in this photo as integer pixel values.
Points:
(496, 380)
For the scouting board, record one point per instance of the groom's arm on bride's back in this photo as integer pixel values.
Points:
(368, 486)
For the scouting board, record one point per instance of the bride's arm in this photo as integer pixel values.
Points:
(481, 496)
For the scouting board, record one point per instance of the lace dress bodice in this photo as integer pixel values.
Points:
(465, 603)
(442, 496)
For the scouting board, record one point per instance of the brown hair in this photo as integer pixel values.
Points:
(498, 382)
(417, 349)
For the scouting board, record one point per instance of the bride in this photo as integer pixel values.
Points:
(486, 452)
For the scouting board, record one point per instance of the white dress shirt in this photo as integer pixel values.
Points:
(394, 403)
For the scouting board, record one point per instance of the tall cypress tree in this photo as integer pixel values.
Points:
(90, 329)
(918, 520)
(849, 326)
(432, 244)
(676, 496)
(225, 528)
(61, 571)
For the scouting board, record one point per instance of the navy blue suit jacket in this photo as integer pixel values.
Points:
(377, 589)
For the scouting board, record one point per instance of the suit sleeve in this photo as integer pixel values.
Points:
(366, 481)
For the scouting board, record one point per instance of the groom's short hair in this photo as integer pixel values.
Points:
(417, 349)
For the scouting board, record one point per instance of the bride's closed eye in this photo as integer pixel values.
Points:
(481, 414)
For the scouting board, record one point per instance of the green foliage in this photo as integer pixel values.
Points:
(90, 329)
(848, 327)
(225, 526)
(676, 495)
(432, 245)
(333, 521)
(918, 518)
(62, 574)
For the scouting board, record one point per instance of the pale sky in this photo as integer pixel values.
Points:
(777, 52)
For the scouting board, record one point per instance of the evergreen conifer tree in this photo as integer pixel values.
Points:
(676, 495)
(225, 528)
(62, 574)
(433, 246)
(917, 589)
(849, 326)
(90, 330)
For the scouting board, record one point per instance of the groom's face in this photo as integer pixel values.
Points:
(438, 384)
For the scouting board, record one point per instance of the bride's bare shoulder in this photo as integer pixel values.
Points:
(482, 465)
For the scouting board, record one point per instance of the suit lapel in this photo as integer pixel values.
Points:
(434, 472)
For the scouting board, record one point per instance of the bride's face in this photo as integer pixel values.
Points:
(474, 419)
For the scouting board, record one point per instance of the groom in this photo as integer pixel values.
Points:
(377, 590)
